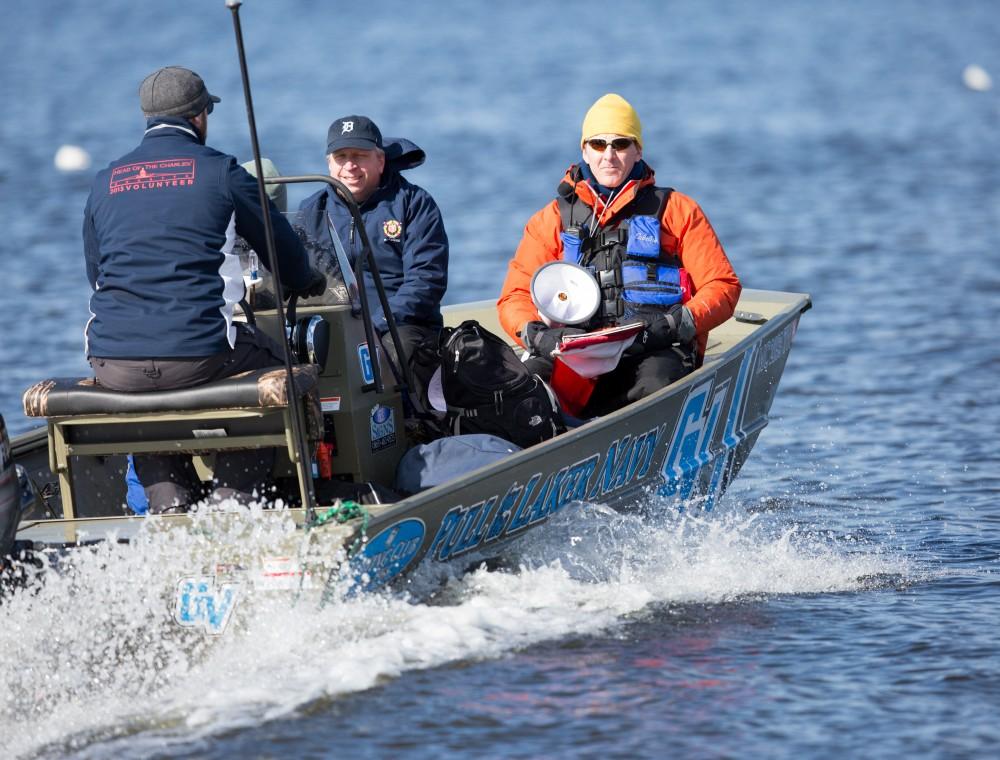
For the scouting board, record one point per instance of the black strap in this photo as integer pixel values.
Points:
(650, 201)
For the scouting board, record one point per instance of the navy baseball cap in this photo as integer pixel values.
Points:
(353, 132)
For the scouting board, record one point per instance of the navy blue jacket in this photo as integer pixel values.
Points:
(158, 235)
(407, 235)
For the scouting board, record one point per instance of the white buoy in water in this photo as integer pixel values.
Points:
(976, 78)
(72, 158)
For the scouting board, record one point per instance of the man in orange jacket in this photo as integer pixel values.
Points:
(652, 250)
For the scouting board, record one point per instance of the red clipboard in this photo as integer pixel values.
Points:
(581, 359)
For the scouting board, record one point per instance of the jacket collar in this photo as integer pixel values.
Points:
(162, 125)
(604, 209)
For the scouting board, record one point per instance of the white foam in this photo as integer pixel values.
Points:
(96, 647)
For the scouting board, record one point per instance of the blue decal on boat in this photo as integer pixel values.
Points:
(389, 553)
(626, 460)
(732, 435)
(506, 509)
(691, 447)
(200, 604)
(365, 360)
(464, 528)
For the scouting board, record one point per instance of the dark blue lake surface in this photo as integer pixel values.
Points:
(843, 601)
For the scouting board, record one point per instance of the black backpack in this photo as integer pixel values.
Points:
(489, 390)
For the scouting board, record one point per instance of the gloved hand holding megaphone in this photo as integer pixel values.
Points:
(542, 340)
(565, 294)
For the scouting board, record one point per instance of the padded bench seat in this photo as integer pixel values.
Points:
(82, 395)
(249, 410)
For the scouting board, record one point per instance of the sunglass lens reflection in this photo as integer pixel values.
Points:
(619, 144)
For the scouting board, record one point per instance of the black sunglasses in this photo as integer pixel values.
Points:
(618, 144)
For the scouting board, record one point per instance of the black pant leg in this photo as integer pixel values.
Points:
(636, 377)
(241, 472)
(659, 369)
(170, 480)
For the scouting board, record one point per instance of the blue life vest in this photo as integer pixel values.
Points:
(635, 274)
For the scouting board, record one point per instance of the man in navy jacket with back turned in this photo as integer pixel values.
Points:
(158, 233)
(402, 220)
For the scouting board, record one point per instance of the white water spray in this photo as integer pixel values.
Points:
(94, 658)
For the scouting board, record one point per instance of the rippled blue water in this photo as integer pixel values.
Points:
(846, 602)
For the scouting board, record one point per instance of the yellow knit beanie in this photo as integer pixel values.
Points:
(612, 114)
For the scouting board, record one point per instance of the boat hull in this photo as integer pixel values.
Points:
(678, 448)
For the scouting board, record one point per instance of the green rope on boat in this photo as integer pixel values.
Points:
(341, 512)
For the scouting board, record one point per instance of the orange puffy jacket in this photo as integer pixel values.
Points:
(684, 231)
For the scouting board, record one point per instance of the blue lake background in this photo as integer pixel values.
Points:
(843, 601)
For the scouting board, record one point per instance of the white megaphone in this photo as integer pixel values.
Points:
(565, 293)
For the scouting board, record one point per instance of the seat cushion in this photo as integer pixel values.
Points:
(262, 388)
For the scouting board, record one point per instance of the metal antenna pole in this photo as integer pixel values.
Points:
(298, 425)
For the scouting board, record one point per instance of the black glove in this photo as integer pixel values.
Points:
(542, 340)
(663, 329)
(315, 285)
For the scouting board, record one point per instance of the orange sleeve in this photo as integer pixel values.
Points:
(539, 245)
(716, 286)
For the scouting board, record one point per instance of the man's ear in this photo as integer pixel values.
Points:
(201, 123)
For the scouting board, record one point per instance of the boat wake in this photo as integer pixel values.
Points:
(93, 663)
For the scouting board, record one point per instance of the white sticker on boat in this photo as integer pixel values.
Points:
(382, 426)
(210, 433)
(282, 574)
(330, 404)
(201, 602)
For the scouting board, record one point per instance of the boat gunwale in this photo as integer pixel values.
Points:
(795, 304)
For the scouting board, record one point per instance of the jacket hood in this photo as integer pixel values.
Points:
(401, 154)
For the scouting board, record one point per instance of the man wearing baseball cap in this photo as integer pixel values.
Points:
(158, 233)
(402, 220)
(653, 252)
